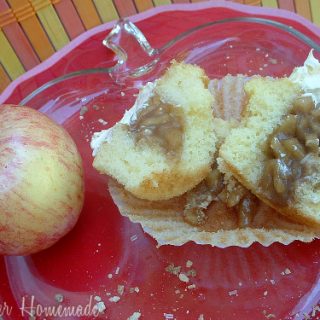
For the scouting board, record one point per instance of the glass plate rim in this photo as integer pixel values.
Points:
(156, 52)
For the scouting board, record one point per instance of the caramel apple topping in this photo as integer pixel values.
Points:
(213, 188)
(290, 147)
(160, 124)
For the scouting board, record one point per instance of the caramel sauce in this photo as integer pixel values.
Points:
(289, 147)
(209, 203)
(160, 124)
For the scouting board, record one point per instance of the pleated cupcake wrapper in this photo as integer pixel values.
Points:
(164, 221)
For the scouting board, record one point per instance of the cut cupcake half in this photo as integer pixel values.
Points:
(275, 151)
(165, 143)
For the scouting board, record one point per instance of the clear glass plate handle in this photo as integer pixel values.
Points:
(134, 54)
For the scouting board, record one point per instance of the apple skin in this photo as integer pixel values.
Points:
(41, 181)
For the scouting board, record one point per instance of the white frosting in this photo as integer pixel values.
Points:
(98, 138)
(308, 77)
(142, 102)
(130, 116)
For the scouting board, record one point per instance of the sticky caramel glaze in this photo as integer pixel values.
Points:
(210, 201)
(160, 124)
(289, 147)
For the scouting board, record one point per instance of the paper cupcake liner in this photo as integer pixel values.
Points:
(163, 220)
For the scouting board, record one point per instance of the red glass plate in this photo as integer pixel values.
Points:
(106, 253)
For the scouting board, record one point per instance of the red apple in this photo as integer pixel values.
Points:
(41, 181)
